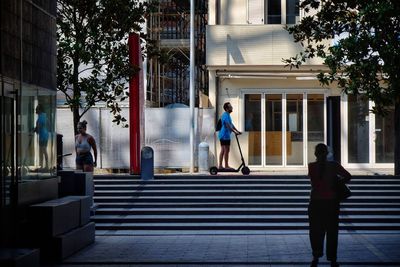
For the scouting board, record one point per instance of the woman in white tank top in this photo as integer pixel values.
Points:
(84, 142)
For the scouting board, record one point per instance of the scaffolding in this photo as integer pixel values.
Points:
(168, 72)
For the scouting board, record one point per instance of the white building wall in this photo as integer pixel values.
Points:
(247, 45)
(233, 12)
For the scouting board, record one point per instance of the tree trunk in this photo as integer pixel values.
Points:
(397, 138)
(76, 118)
(76, 92)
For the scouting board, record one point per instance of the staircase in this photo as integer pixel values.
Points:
(236, 203)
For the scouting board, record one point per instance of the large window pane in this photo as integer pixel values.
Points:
(315, 123)
(6, 149)
(274, 12)
(384, 132)
(294, 128)
(252, 125)
(292, 11)
(358, 129)
(273, 125)
(37, 136)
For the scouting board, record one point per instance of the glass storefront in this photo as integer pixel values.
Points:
(31, 154)
(274, 123)
(282, 129)
(37, 136)
(28, 58)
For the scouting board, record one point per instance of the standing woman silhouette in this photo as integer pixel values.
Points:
(324, 206)
(84, 142)
(41, 129)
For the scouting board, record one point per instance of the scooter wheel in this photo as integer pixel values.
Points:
(245, 170)
(213, 170)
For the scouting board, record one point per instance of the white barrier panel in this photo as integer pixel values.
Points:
(166, 131)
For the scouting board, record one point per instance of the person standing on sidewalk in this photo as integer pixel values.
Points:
(84, 142)
(224, 135)
(324, 206)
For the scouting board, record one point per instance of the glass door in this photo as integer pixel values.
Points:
(384, 138)
(370, 137)
(358, 129)
(273, 130)
(252, 127)
(282, 129)
(294, 129)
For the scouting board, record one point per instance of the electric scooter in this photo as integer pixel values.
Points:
(245, 170)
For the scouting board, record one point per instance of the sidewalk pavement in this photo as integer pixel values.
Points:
(236, 248)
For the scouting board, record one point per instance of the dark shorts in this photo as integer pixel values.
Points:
(43, 142)
(84, 159)
(225, 142)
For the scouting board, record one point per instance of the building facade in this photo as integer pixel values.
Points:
(28, 106)
(168, 72)
(284, 113)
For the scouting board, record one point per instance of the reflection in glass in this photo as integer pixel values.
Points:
(252, 125)
(36, 133)
(292, 11)
(384, 134)
(315, 123)
(294, 128)
(358, 129)
(273, 127)
(274, 12)
(6, 149)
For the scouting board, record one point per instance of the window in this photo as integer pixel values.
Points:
(273, 11)
(292, 11)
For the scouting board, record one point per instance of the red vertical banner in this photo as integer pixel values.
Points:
(134, 104)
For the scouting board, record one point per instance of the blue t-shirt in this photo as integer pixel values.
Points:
(225, 132)
(42, 127)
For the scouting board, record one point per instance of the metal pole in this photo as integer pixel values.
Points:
(191, 86)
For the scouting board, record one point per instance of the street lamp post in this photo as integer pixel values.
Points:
(191, 86)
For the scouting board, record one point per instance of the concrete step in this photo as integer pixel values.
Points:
(241, 211)
(233, 192)
(188, 177)
(292, 186)
(236, 202)
(279, 218)
(209, 181)
(126, 205)
(240, 226)
(236, 199)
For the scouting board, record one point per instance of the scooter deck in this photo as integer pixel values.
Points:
(228, 170)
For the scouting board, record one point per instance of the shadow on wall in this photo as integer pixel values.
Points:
(233, 51)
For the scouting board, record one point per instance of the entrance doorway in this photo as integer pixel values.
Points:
(283, 127)
(370, 137)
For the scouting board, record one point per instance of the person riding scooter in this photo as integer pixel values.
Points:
(224, 136)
